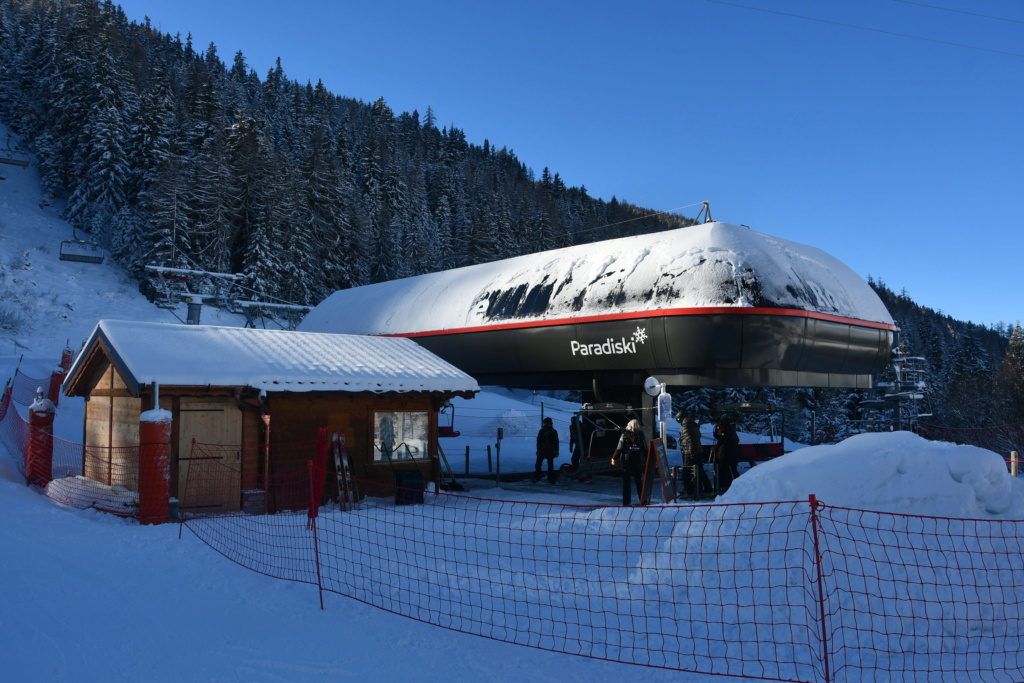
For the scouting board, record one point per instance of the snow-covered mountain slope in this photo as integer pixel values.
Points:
(46, 303)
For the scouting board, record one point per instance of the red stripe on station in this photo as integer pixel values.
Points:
(662, 313)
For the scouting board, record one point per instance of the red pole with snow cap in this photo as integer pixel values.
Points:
(39, 450)
(59, 374)
(155, 465)
(66, 358)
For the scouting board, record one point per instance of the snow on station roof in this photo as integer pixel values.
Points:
(705, 267)
(269, 360)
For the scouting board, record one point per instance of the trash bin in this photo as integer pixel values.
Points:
(408, 487)
(254, 501)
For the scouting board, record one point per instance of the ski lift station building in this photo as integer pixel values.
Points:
(257, 391)
(707, 305)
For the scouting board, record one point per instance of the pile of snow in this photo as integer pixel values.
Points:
(83, 493)
(890, 472)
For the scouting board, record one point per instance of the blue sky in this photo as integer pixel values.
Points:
(888, 133)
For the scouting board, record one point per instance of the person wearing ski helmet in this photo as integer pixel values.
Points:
(547, 449)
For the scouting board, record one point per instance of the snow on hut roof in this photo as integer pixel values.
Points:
(272, 360)
(709, 265)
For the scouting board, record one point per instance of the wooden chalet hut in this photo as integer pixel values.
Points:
(256, 393)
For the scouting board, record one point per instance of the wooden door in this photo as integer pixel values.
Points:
(216, 484)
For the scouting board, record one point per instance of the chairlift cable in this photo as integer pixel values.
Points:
(617, 223)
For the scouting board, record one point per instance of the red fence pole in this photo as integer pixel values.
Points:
(314, 504)
(39, 451)
(155, 467)
(58, 376)
(56, 379)
(815, 505)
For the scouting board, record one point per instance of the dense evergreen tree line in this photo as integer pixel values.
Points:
(975, 379)
(977, 372)
(166, 155)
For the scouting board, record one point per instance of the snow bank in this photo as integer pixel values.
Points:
(82, 493)
(894, 472)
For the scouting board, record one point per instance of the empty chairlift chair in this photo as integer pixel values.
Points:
(80, 250)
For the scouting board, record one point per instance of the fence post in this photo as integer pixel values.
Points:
(1013, 463)
(39, 450)
(489, 457)
(5, 400)
(815, 506)
(497, 449)
(467, 460)
(56, 380)
(155, 466)
(311, 515)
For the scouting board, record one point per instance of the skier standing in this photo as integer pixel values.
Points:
(695, 479)
(547, 449)
(631, 453)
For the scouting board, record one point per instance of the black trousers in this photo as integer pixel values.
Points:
(633, 472)
(690, 481)
(725, 472)
(552, 476)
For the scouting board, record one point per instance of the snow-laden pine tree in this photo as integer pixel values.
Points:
(1011, 378)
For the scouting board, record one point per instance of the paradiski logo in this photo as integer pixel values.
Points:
(610, 347)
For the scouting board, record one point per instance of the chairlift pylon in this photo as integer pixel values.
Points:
(704, 213)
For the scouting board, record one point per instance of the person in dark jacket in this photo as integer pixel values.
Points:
(574, 448)
(631, 454)
(547, 449)
(695, 479)
(727, 451)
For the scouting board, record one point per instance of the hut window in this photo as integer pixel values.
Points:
(400, 436)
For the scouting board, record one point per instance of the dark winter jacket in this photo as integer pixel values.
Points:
(631, 448)
(727, 443)
(689, 442)
(547, 442)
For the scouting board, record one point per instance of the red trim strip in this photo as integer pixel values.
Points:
(662, 313)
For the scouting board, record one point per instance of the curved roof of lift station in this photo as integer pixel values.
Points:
(708, 304)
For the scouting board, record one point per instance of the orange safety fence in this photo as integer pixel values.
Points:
(81, 476)
(789, 591)
(785, 591)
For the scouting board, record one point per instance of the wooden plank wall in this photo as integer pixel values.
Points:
(296, 417)
(112, 419)
(111, 431)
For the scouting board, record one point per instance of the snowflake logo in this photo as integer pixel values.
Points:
(640, 336)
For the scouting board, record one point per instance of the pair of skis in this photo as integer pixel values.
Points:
(346, 486)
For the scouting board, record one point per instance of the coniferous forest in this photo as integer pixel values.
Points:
(166, 154)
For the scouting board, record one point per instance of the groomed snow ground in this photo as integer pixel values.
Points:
(85, 596)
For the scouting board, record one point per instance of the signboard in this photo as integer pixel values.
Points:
(664, 406)
(660, 457)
